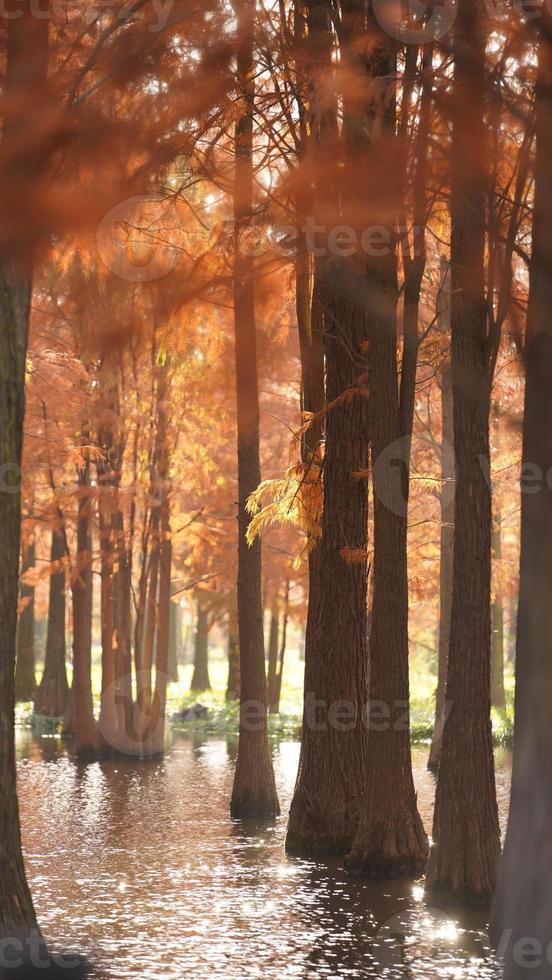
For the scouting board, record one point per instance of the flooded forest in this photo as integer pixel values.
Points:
(275, 489)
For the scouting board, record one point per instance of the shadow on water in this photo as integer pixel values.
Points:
(140, 866)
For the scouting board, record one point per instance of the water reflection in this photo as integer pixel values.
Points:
(141, 864)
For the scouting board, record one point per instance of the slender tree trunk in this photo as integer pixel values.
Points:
(274, 703)
(25, 679)
(86, 733)
(108, 714)
(447, 523)
(175, 631)
(498, 694)
(464, 857)
(523, 906)
(272, 658)
(254, 789)
(107, 506)
(200, 676)
(53, 690)
(165, 604)
(233, 685)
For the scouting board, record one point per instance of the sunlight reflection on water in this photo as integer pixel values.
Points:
(141, 865)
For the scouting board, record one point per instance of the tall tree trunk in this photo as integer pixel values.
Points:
(26, 68)
(25, 679)
(86, 733)
(254, 789)
(53, 690)
(200, 676)
(498, 694)
(108, 714)
(326, 802)
(390, 838)
(163, 624)
(523, 907)
(447, 522)
(107, 506)
(464, 858)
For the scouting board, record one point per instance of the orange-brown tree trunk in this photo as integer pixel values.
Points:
(464, 857)
(53, 690)
(254, 790)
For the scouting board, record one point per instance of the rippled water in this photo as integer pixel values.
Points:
(141, 865)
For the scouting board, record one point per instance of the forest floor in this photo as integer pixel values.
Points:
(222, 717)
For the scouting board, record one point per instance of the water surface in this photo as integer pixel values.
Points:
(140, 865)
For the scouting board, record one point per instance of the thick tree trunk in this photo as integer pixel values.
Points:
(200, 676)
(53, 690)
(16, 907)
(254, 790)
(25, 679)
(464, 857)
(523, 912)
(447, 523)
(26, 66)
(326, 804)
(390, 838)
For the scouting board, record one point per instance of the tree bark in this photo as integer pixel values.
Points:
(233, 685)
(523, 907)
(464, 857)
(86, 733)
(272, 657)
(175, 635)
(53, 691)
(274, 702)
(390, 839)
(200, 676)
(447, 522)
(254, 790)
(26, 68)
(326, 802)
(25, 678)
(498, 694)
(16, 907)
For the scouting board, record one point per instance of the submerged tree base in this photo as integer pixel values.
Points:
(463, 882)
(315, 830)
(254, 794)
(254, 806)
(392, 847)
(317, 847)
